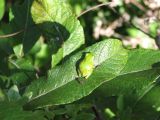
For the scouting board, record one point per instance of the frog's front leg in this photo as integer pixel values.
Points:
(80, 79)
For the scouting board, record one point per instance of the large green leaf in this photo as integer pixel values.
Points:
(62, 87)
(2, 8)
(59, 25)
(138, 83)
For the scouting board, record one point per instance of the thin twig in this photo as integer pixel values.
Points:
(13, 63)
(94, 7)
(84, 12)
(12, 34)
(15, 33)
(97, 114)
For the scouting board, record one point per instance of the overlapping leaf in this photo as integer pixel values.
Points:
(59, 25)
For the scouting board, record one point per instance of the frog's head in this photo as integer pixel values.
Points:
(89, 56)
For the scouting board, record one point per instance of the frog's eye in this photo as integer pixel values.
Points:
(90, 56)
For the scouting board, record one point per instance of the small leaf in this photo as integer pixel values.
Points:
(13, 93)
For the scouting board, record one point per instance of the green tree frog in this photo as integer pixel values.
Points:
(86, 66)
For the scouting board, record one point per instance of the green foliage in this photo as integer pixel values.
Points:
(14, 111)
(39, 66)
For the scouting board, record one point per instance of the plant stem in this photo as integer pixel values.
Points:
(12, 34)
(93, 8)
(97, 114)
